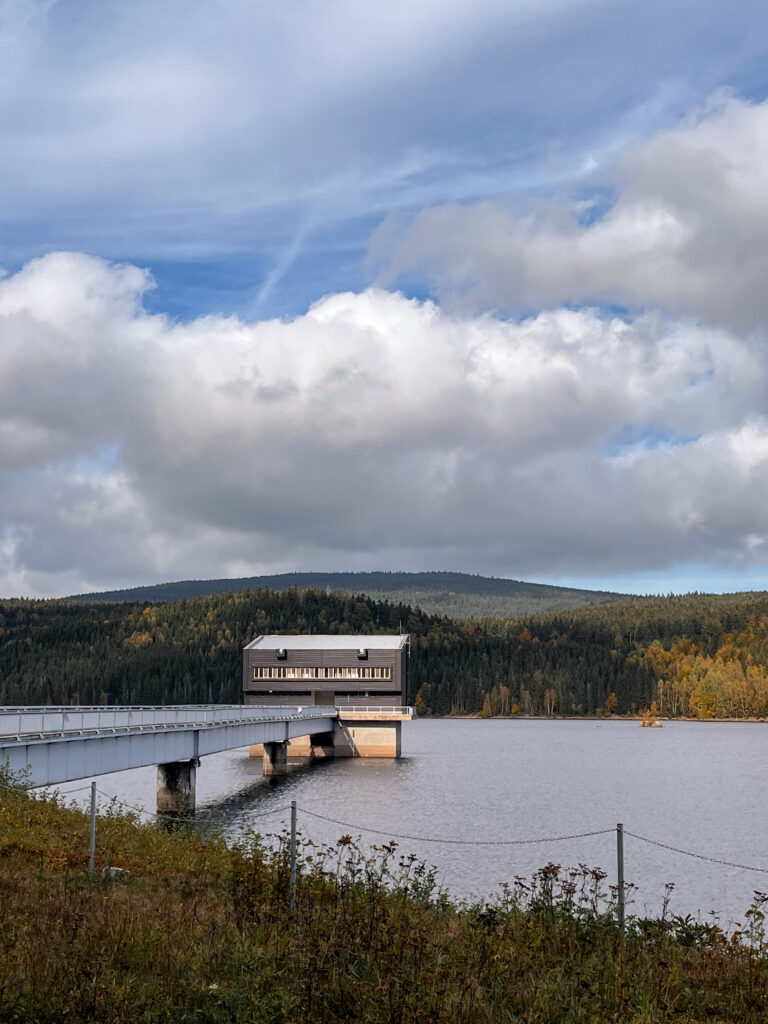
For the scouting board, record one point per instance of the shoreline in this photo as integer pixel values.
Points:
(588, 718)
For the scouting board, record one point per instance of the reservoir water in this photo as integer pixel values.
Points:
(696, 786)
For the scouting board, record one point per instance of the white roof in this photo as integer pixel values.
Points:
(327, 642)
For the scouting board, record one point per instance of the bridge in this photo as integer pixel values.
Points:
(60, 744)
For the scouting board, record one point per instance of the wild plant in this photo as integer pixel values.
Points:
(202, 930)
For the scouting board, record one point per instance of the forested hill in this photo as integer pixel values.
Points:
(700, 655)
(457, 594)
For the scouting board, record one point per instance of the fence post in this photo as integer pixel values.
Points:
(92, 857)
(620, 867)
(293, 855)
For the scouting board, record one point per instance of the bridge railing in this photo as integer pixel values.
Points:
(43, 720)
(401, 710)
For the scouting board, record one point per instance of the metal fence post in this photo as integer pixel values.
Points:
(92, 858)
(293, 855)
(620, 867)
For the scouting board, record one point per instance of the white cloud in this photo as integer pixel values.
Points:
(373, 431)
(687, 233)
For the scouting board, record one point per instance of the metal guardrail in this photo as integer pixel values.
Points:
(17, 723)
(377, 709)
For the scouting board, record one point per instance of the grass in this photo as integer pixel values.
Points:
(197, 930)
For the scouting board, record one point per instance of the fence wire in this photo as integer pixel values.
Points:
(698, 856)
(528, 842)
(71, 792)
(444, 840)
(454, 842)
(276, 810)
(124, 803)
(154, 814)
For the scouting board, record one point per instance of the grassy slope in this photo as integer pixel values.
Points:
(441, 593)
(201, 932)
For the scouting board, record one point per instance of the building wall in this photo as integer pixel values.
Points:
(368, 699)
(386, 692)
(278, 699)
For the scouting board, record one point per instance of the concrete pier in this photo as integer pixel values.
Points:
(356, 733)
(275, 758)
(176, 787)
(374, 736)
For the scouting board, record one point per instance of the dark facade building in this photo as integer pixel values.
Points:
(354, 671)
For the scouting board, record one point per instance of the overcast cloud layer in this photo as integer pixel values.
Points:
(580, 188)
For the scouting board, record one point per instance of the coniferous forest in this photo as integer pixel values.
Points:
(699, 655)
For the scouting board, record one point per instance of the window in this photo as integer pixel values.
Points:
(332, 673)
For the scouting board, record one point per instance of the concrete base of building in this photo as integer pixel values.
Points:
(350, 738)
(353, 738)
(318, 745)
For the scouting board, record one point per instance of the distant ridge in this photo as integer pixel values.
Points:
(443, 593)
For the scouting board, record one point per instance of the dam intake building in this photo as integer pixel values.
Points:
(365, 677)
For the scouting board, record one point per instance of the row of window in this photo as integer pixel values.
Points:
(290, 672)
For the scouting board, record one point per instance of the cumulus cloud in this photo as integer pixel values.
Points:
(373, 430)
(687, 232)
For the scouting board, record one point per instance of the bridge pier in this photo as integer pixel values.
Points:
(176, 787)
(275, 758)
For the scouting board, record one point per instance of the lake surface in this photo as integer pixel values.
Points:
(696, 786)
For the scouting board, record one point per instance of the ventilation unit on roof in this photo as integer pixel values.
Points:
(282, 654)
(362, 653)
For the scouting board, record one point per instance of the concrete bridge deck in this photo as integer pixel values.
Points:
(60, 744)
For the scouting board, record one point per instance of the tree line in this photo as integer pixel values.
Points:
(702, 655)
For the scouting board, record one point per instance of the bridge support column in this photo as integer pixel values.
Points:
(176, 788)
(275, 758)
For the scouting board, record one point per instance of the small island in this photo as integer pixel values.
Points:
(650, 718)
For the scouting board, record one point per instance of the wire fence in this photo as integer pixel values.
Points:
(443, 840)
(698, 856)
(363, 829)
(156, 816)
(356, 827)
(452, 842)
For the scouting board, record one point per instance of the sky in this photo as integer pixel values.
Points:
(415, 286)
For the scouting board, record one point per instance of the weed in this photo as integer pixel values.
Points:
(204, 931)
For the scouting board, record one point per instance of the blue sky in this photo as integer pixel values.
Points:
(218, 146)
(538, 227)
